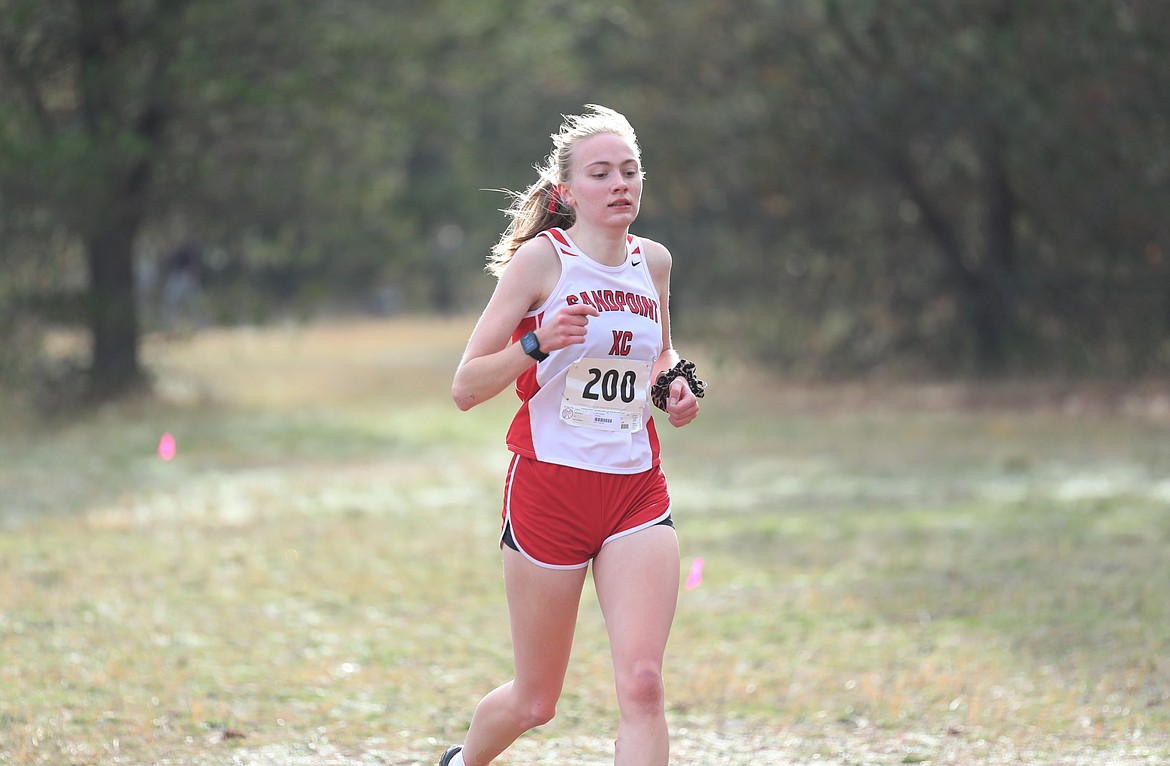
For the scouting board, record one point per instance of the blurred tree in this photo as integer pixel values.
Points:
(976, 185)
(101, 107)
(1019, 146)
(87, 100)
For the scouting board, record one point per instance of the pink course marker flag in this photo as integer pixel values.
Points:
(166, 447)
(696, 575)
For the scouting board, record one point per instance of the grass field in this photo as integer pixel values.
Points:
(894, 574)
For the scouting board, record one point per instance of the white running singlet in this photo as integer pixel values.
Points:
(587, 405)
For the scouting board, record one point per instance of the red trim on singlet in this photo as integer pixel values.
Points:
(559, 236)
(655, 446)
(519, 436)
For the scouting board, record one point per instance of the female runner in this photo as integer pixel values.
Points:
(580, 323)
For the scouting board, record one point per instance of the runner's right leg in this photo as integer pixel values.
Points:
(542, 608)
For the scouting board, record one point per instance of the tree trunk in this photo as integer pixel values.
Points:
(113, 318)
(105, 44)
(985, 291)
(994, 309)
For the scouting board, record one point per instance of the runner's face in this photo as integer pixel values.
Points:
(606, 182)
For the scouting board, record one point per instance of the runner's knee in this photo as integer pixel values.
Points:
(538, 711)
(534, 706)
(640, 690)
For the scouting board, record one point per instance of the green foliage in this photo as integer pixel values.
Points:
(968, 187)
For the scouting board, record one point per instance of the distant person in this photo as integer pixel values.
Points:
(580, 323)
(183, 302)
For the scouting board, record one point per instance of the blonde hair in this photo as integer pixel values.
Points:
(539, 207)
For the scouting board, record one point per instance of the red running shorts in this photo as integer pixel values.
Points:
(559, 517)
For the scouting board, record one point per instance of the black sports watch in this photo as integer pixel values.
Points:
(531, 346)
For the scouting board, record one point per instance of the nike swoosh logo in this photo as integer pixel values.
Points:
(636, 263)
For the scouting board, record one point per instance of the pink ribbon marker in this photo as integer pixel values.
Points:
(696, 575)
(166, 447)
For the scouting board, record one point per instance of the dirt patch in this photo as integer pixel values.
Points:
(835, 745)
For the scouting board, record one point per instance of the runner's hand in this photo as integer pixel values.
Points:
(567, 327)
(682, 406)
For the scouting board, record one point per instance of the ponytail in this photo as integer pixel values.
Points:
(538, 209)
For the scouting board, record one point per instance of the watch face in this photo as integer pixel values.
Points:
(531, 346)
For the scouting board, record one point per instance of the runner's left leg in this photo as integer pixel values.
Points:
(637, 579)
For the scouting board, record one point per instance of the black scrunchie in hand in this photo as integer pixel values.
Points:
(660, 391)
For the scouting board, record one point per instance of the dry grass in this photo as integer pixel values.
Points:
(894, 574)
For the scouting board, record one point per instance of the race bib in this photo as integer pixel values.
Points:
(606, 394)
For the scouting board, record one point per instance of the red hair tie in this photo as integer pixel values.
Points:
(552, 200)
